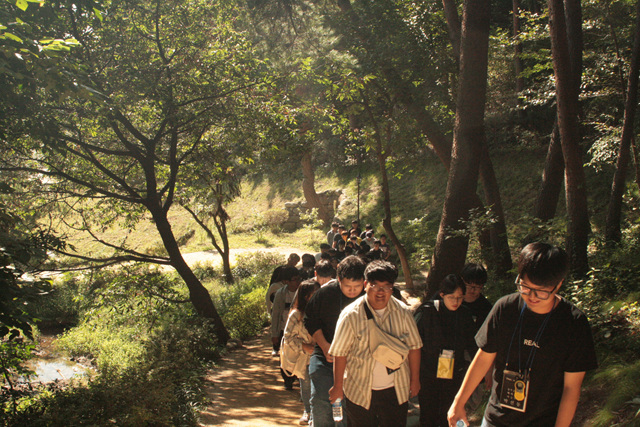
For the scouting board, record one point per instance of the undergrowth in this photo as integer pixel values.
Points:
(149, 350)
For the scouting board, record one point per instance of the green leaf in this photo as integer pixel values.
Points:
(97, 13)
(12, 37)
(22, 4)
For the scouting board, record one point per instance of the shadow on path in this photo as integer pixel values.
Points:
(247, 390)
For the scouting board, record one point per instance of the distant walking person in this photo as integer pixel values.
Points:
(281, 305)
(331, 234)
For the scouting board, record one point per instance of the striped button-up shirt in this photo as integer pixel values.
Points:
(351, 340)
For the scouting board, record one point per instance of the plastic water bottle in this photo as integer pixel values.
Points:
(461, 423)
(336, 407)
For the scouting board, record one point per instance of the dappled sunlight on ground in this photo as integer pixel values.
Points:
(247, 390)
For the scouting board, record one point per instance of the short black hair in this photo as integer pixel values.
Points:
(294, 256)
(324, 269)
(288, 273)
(368, 227)
(450, 283)
(324, 246)
(352, 268)
(543, 264)
(473, 273)
(381, 271)
(308, 260)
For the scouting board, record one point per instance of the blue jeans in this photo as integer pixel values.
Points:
(321, 375)
(305, 392)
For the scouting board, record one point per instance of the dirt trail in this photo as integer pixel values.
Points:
(214, 257)
(247, 390)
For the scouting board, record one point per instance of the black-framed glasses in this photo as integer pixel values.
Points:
(526, 290)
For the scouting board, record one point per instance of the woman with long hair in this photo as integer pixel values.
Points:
(297, 344)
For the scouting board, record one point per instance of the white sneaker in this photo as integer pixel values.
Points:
(274, 353)
(304, 419)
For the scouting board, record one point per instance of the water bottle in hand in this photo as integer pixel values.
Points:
(337, 410)
(461, 423)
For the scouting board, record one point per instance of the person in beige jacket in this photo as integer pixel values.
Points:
(297, 345)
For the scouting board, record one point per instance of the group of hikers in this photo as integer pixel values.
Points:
(343, 329)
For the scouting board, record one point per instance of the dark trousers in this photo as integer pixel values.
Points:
(435, 397)
(384, 411)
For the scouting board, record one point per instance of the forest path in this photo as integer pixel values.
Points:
(212, 256)
(247, 389)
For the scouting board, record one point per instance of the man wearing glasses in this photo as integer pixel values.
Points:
(375, 395)
(474, 277)
(541, 345)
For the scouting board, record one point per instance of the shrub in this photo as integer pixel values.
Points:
(260, 264)
(150, 356)
(206, 271)
(248, 316)
(273, 219)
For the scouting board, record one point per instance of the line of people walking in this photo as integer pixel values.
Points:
(357, 349)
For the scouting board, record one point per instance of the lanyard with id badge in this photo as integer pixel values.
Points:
(446, 359)
(515, 384)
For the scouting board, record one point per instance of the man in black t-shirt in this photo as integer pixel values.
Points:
(541, 346)
(320, 319)
(474, 277)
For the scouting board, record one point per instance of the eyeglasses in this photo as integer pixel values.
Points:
(453, 299)
(475, 287)
(385, 289)
(526, 290)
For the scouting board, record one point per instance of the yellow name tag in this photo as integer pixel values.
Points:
(445, 365)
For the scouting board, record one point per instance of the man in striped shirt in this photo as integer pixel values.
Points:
(373, 395)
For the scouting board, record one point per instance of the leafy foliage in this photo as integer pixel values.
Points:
(149, 353)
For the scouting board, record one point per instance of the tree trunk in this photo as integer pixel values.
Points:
(198, 294)
(453, 26)
(502, 262)
(618, 186)
(220, 220)
(222, 231)
(549, 192)
(494, 242)
(551, 185)
(440, 142)
(568, 124)
(386, 222)
(309, 188)
(450, 251)
(636, 160)
(517, 58)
